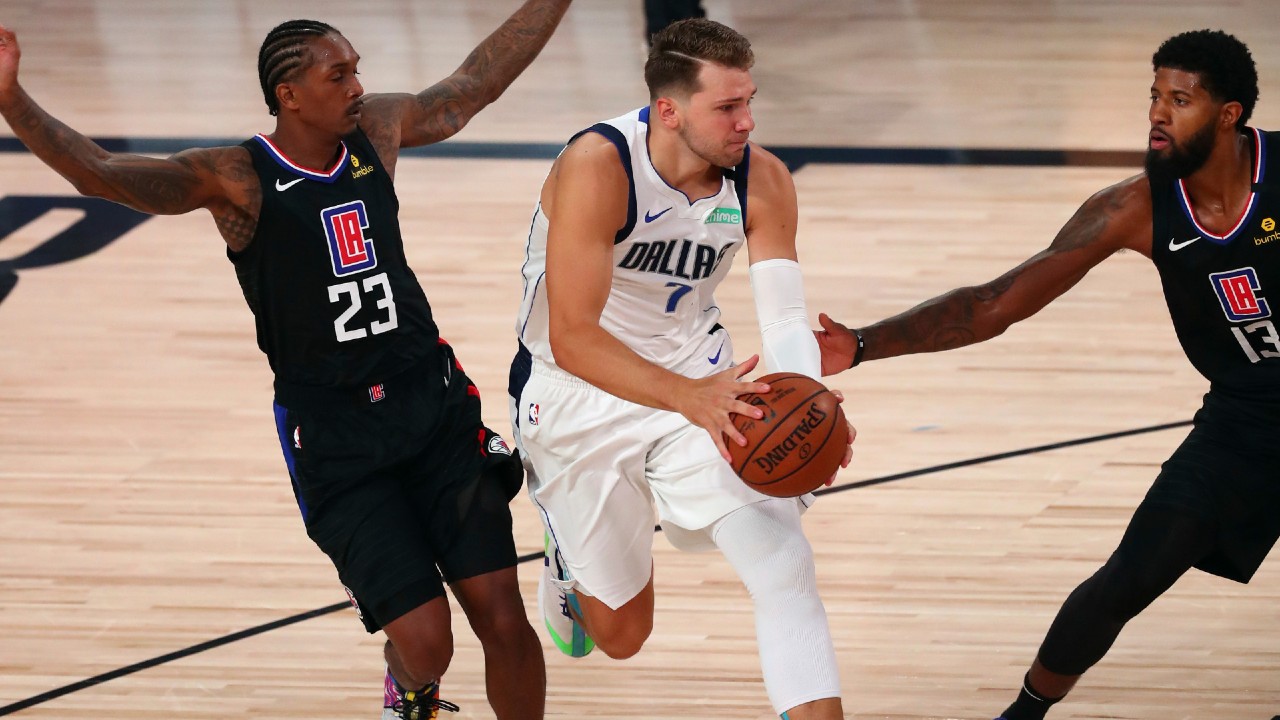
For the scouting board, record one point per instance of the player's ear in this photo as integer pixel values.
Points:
(1229, 115)
(286, 96)
(667, 111)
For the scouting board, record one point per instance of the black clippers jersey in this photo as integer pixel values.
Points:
(335, 302)
(1223, 291)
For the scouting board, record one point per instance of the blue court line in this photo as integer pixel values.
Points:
(795, 156)
(292, 619)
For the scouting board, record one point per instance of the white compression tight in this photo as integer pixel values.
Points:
(767, 548)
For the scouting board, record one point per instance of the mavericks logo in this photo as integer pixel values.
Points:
(729, 216)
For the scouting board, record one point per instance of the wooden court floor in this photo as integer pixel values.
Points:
(144, 505)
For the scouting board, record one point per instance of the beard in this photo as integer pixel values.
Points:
(717, 156)
(1181, 160)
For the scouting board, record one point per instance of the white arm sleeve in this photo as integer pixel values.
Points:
(789, 345)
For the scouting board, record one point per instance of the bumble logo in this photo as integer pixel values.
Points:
(1268, 224)
(356, 170)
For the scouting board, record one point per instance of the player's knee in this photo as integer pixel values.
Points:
(430, 666)
(766, 546)
(1121, 590)
(503, 628)
(621, 647)
(623, 641)
(785, 571)
(426, 657)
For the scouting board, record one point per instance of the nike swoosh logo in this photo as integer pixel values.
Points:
(285, 186)
(1176, 246)
(650, 218)
(716, 358)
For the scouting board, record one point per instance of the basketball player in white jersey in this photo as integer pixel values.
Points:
(624, 383)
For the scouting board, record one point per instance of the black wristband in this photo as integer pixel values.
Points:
(862, 346)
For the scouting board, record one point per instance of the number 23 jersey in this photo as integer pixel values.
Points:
(325, 274)
(1223, 291)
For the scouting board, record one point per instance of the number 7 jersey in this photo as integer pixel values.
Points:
(325, 275)
(667, 261)
(1223, 291)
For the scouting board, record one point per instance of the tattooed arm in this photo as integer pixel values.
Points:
(184, 182)
(220, 179)
(1118, 217)
(401, 120)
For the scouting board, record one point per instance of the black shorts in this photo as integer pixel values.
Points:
(1227, 473)
(400, 484)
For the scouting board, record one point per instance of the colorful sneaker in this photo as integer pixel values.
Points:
(557, 603)
(424, 704)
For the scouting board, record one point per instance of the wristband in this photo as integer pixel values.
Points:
(862, 346)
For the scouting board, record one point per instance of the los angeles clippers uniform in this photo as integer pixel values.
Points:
(597, 464)
(1221, 291)
(393, 470)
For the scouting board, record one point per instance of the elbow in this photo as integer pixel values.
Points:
(92, 182)
(564, 346)
(90, 186)
(996, 319)
(453, 126)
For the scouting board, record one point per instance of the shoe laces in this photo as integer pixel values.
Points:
(422, 704)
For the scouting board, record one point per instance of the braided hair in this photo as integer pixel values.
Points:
(284, 53)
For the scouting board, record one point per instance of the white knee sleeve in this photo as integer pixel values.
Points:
(768, 549)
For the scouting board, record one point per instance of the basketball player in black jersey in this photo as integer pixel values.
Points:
(397, 479)
(661, 13)
(1205, 213)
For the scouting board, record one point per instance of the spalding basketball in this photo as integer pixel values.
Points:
(798, 444)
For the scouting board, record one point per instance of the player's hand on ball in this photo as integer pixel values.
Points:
(798, 445)
(714, 398)
(853, 433)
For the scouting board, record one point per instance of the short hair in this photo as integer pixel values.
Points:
(284, 53)
(1223, 63)
(677, 53)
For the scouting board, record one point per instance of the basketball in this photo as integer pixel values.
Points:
(798, 444)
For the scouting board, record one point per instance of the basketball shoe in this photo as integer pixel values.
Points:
(400, 704)
(558, 603)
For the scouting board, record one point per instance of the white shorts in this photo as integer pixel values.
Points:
(600, 466)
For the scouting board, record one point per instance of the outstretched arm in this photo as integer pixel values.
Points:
(440, 111)
(1115, 218)
(171, 186)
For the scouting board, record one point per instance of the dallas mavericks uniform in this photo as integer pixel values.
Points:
(668, 260)
(597, 463)
(1220, 290)
(380, 427)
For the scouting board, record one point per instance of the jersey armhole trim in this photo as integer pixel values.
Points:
(615, 136)
(739, 176)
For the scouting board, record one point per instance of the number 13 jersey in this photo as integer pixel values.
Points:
(667, 261)
(1223, 291)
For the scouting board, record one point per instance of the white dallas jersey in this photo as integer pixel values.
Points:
(667, 262)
